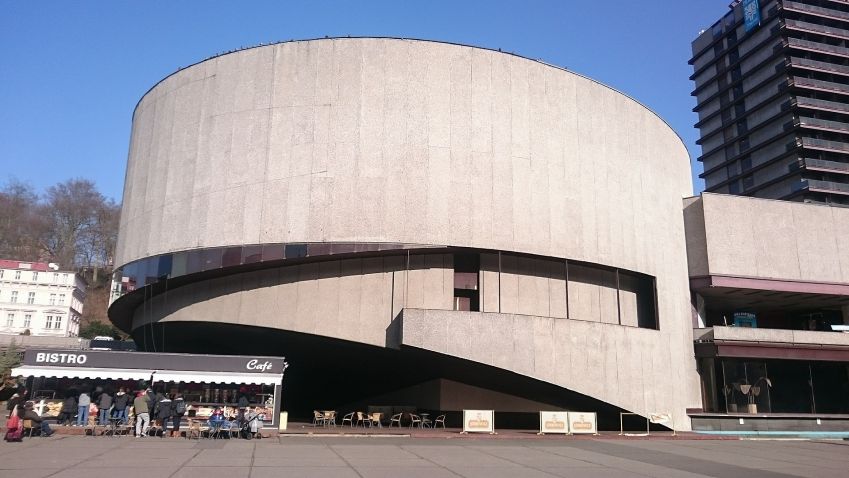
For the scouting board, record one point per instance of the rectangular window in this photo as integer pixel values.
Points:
(55, 277)
(17, 275)
(731, 170)
(52, 299)
(10, 320)
(748, 181)
(746, 163)
(27, 320)
(716, 30)
(734, 187)
(1, 273)
(58, 322)
(14, 298)
(48, 323)
(34, 276)
(61, 299)
(466, 290)
(31, 298)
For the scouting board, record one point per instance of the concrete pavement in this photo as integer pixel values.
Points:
(304, 456)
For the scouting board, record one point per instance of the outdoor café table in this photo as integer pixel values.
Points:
(425, 420)
(329, 417)
(215, 428)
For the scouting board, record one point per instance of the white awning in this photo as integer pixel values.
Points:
(217, 377)
(81, 372)
(159, 376)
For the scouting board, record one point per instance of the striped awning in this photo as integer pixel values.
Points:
(184, 376)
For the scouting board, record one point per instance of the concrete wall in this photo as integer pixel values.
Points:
(627, 367)
(380, 140)
(763, 238)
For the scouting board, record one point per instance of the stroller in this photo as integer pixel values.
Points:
(251, 426)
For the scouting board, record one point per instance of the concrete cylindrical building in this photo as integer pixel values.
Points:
(412, 222)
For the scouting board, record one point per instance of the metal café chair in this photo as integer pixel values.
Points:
(317, 418)
(395, 419)
(375, 419)
(194, 429)
(28, 428)
(348, 418)
(415, 420)
(91, 425)
(440, 420)
(361, 420)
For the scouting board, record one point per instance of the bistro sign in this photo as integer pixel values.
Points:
(63, 358)
(159, 361)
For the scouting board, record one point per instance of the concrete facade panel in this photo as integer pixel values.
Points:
(761, 238)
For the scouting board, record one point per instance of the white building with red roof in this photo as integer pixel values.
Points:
(40, 298)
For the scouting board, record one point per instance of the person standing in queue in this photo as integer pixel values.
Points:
(142, 415)
(163, 412)
(179, 407)
(121, 402)
(104, 403)
(82, 409)
(69, 408)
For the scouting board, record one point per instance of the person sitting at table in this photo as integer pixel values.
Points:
(217, 417)
(216, 420)
(29, 414)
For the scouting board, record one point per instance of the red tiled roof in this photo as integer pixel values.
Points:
(24, 265)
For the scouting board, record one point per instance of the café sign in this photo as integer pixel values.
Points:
(583, 422)
(479, 421)
(63, 358)
(553, 422)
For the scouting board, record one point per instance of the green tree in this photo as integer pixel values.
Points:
(97, 328)
(10, 357)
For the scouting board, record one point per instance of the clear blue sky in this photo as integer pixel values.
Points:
(71, 72)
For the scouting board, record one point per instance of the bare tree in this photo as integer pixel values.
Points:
(76, 216)
(19, 222)
(73, 224)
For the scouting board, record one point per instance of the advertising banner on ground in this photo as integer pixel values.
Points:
(582, 422)
(553, 422)
(480, 421)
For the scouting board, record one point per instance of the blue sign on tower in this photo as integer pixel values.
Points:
(751, 14)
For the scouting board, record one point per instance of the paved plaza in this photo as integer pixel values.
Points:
(330, 457)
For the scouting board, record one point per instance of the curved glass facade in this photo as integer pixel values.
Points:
(150, 270)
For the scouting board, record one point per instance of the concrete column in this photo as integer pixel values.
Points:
(699, 311)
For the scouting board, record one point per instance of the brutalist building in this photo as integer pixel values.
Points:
(772, 90)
